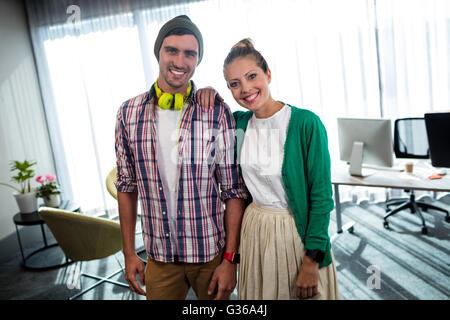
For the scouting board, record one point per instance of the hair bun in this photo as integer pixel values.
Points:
(244, 43)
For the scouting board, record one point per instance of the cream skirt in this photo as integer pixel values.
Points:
(271, 255)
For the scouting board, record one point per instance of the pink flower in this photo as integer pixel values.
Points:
(50, 177)
(39, 179)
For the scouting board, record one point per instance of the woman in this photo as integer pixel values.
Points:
(285, 247)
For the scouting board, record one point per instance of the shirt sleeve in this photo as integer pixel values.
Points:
(126, 175)
(227, 171)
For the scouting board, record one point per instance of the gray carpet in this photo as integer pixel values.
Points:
(411, 265)
(373, 263)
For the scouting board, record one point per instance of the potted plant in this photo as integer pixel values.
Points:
(48, 190)
(25, 196)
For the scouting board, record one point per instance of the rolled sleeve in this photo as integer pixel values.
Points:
(231, 182)
(126, 174)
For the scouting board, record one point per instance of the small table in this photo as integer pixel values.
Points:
(33, 219)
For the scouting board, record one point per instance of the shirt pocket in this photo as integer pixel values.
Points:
(200, 147)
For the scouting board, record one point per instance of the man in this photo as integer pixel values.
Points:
(176, 157)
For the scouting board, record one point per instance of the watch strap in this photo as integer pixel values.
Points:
(316, 255)
(232, 257)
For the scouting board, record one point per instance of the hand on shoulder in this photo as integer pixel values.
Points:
(206, 97)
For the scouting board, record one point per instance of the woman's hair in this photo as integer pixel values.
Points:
(243, 49)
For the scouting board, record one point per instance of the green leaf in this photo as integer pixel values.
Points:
(25, 173)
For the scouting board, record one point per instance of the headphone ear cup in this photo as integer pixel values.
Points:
(179, 101)
(165, 101)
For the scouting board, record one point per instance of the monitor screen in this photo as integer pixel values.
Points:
(376, 136)
(438, 125)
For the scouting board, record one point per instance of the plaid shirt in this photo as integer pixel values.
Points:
(206, 161)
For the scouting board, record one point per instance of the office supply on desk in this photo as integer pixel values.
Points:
(438, 134)
(397, 167)
(365, 142)
(410, 142)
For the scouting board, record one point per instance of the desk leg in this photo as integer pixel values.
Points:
(337, 202)
(348, 226)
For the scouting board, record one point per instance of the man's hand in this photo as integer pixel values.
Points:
(224, 278)
(307, 279)
(133, 266)
(206, 97)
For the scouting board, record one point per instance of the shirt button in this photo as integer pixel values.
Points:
(164, 212)
(160, 188)
(167, 235)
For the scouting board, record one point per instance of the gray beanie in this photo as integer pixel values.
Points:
(184, 22)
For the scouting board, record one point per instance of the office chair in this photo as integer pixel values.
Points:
(111, 187)
(410, 141)
(110, 179)
(85, 238)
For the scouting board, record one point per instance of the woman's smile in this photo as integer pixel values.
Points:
(251, 98)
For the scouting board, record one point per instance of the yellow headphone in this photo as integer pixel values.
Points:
(165, 99)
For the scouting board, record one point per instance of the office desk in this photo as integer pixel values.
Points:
(384, 179)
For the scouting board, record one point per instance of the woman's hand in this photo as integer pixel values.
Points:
(307, 279)
(206, 97)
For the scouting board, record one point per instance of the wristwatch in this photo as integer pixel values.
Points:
(316, 255)
(232, 257)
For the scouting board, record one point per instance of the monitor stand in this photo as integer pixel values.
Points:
(356, 160)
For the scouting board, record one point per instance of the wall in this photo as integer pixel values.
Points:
(23, 130)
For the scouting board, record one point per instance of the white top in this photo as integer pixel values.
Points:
(262, 158)
(166, 156)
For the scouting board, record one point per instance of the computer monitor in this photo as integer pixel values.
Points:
(438, 125)
(365, 142)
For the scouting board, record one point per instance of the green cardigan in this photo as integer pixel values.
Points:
(306, 176)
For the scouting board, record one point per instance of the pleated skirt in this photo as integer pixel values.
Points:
(271, 255)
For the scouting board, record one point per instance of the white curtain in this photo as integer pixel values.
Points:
(358, 58)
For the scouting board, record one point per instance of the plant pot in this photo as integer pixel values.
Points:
(52, 200)
(27, 202)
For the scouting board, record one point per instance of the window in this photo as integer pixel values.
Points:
(337, 58)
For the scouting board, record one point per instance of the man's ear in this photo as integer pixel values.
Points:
(269, 76)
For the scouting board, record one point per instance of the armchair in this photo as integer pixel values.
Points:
(85, 238)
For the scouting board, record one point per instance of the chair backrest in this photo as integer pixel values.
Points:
(82, 237)
(410, 138)
(438, 128)
(110, 179)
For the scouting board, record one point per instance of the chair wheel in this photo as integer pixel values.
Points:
(425, 209)
(447, 219)
(351, 229)
(386, 225)
(424, 230)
